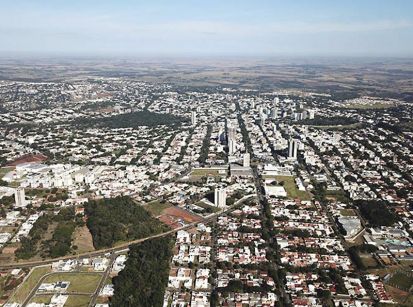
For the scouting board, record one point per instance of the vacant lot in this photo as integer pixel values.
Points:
(83, 240)
(23, 291)
(348, 212)
(291, 188)
(79, 282)
(39, 299)
(401, 280)
(174, 216)
(156, 207)
(77, 301)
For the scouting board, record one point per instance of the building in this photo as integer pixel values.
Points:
(220, 197)
(193, 118)
(292, 149)
(20, 198)
(232, 146)
(246, 160)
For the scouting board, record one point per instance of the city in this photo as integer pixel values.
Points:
(265, 199)
(206, 153)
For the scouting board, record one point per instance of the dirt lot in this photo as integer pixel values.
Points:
(28, 158)
(172, 216)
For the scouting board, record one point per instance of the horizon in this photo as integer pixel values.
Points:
(374, 29)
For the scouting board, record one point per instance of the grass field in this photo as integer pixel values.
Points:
(200, 172)
(5, 170)
(401, 281)
(339, 195)
(24, 289)
(291, 188)
(79, 282)
(156, 207)
(77, 301)
(83, 240)
(347, 212)
(45, 299)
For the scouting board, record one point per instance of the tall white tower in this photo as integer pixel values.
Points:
(193, 118)
(246, 160)
(20, 198)
(232, 146)
(292, 149)
(220, 197)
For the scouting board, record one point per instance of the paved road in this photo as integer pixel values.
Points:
(102, 281)
(124, 246)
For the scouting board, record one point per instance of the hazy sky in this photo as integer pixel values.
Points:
(207, 27)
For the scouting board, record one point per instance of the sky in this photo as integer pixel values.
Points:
(374, 28)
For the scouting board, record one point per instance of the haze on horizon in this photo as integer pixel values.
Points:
(207, 28)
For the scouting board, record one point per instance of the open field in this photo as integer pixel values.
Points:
(368, 260)
(4, 171)
(79, 282)
(174, 216)
(77, 301)
(198, 173)
(24, 289)
(401, 280)
(83, 240)
(404, 299)
(291, 188)
(156, 207)
(45, 299)
(348, 212)
(339, 195)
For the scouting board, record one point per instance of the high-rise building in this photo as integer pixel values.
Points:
(193, 118)
(220, 197)
(20, 198)
(232, 146)
(231, 131)
(292, 149)
(274, 113)
(246, 160)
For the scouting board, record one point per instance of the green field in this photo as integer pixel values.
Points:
(401, 280)
(291, 188)
(45, 299)
(77, 301)
(201, 172)
(79, 282)
(4, 171)
(31, 281)
(347, 212)
(156, 207)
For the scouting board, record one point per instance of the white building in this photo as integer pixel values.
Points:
(220, 197)
(246, 160)
(20, 198)
(193, 118)
(292, 149)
